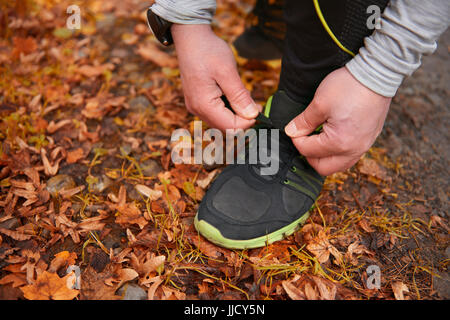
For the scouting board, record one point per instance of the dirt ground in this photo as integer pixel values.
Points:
(416, 134)
(86, 177)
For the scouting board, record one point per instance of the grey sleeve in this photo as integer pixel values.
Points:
(409, 29)
(185, 11)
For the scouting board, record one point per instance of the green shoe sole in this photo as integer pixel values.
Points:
(213, 234)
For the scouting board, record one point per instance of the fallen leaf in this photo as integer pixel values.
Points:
(15, 234)
(94, 71)
(121, 276)
(151, 52)
(128, 213)
(23, 45)
(93, 286)
(327, 289)
(399, 288)
(75, 155)
(292, 291)
(17, 279)
(320, 247)
(310, 293)
(370, 167)
(204, 183)
(62, 259)
(148, 192)
(49, 286)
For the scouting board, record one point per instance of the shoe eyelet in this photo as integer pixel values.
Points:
(286, 181)
(294, 168)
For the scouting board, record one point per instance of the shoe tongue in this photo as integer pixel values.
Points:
(282, 109)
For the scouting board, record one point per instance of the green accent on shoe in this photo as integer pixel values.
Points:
(213, 234)
(267, 107)
(307, 178)
(300, 188)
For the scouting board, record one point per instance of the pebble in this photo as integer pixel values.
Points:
(150, 168)
(57, 183)
(141, 103)
(132, 292)
(102, 184)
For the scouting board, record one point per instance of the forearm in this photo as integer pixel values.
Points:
(409, 29)
(185, 12)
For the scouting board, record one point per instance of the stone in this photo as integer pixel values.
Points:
(57, 183)
(141, 104)
(441, 284)
(150, 168)
(101, 184)
(132, 292)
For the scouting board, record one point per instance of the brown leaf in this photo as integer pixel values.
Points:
(23, 45)
(370, 167)
(75, 155)
(399, 288)
(17, 279)
(53, 127)
(15, 234)
(364, 224)
(327, 289)
(128, 213)
(49, 286)
(93, 286)
(320, 247)
(94, 71)
(62, 259)
(151, 52)
(121, 276)
(148, 192)
(356, 248)
(49, 169)
(204, 183)
(151, 291)
(292, 291)
(310, 293)
(204, 246)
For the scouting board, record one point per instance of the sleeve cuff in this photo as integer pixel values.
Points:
(374, 76)
(184, 14)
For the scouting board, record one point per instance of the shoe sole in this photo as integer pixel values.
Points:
(213, 234)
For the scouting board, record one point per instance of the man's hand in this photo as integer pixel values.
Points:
(352, 117)
(208, 70)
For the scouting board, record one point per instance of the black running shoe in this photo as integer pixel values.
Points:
(245, 208)
(263, 39)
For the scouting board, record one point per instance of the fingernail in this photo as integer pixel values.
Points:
(291, 129)
(250, 111)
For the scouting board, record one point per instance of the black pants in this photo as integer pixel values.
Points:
(309, 52)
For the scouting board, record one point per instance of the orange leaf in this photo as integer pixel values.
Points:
(75, 155)
(150, 51)
(63, 258)
(49, 286)
(16, 279)
(23, 45)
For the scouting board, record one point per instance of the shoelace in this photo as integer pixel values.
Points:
(286, 146)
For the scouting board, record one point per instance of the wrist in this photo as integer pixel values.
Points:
(184, 32)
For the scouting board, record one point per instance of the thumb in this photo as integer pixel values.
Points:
(307, 121)
(238, 96)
